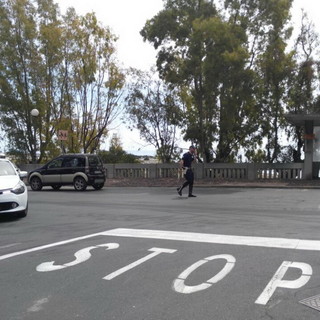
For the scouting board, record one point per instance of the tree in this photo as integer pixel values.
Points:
(265, 23)
(275, 66)
(154, 109)
(304, 82)
(179, 61)
(18, 70)
(64, 67)
(116, 154)
(206, 57)
(96, 82)
(229, 87)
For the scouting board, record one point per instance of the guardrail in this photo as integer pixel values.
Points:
(281, 171)
(232, 171)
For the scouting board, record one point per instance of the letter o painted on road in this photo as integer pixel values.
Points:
(178, 284)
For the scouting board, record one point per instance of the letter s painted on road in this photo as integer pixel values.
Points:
(81, 256)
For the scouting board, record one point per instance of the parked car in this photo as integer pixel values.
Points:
(79, 170)
(13, 191)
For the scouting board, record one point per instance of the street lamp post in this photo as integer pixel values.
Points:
(34, 113)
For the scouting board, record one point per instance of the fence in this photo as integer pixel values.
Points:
(279, 171)
(235, 171)
(232, 171)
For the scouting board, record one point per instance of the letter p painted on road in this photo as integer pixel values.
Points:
(278, 282)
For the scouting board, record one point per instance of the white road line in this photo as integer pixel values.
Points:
(282, 243)
(55, 244)
(9, 245)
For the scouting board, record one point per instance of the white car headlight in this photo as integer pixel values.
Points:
(19, 188)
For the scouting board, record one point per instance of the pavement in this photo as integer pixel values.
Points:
(175, 182)
(207, 183)
(148, 254)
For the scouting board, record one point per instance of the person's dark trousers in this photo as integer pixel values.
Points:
(190, 178)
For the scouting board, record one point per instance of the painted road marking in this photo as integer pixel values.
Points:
(156, 251)
(280, 243)
(277, 282)
(51, 245)
(179, 284)
(10, 245)
(81, 256)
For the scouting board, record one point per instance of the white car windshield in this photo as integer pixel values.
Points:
(6, 169)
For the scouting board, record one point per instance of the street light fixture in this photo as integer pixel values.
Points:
(34, 113)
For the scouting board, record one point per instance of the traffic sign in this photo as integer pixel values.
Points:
(63, 135)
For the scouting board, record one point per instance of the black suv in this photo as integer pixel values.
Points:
(79, 170)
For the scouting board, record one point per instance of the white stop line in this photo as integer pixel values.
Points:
(283, 243)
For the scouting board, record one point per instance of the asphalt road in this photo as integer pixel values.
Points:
(148, 254)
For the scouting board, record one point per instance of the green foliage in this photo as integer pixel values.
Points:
(227, 80)
(256, 156)
(154, 109)
(304, 83)
(179, 61)
(232, 69)
(167, 154)
(64, 67)
(265, 24)
(116, 154)
(206, 57)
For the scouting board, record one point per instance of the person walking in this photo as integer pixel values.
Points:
(186, 163)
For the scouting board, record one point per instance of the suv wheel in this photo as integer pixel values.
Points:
(79, 184)
(35, 184)
(98, 186)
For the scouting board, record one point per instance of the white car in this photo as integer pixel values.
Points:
(13, 191)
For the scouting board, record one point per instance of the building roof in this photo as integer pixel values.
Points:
(300, 119)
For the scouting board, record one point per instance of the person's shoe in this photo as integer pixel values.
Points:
(192, 196)
(179, 191)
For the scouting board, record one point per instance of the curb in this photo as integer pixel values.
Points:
(262, 186)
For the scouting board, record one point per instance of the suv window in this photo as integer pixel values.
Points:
(79, 162)
(94, 161)
(56, 163)
(73, 162)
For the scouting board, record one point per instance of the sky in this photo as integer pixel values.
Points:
(126, 18)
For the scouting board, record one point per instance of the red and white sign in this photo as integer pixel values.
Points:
(63, 135)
